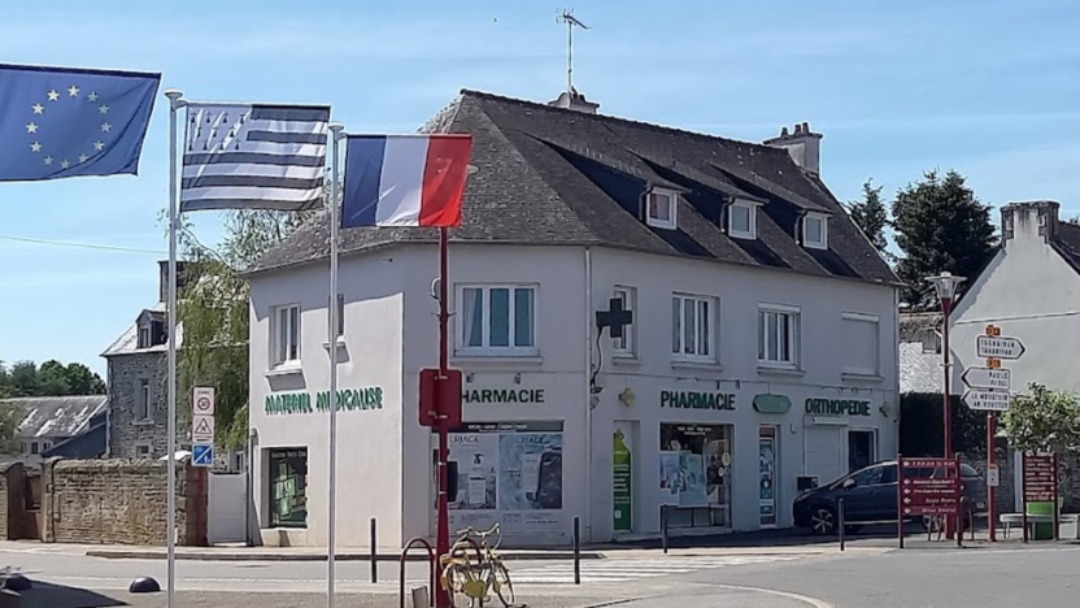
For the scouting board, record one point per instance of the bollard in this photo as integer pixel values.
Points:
(840, 527)
(577, 550)
(374, 554)
(663, 527)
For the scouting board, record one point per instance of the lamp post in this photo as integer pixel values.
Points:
(945, 285)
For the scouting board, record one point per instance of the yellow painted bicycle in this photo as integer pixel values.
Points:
(468, 579)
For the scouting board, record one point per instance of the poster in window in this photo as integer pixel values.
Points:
(767, 476)
(695, 462)
(622, 482)
(511, 473)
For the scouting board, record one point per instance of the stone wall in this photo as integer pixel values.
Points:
(120, 502)
(125, 432)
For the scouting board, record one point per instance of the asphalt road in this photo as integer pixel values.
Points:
(982, 577)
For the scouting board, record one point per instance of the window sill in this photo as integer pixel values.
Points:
(340, 343)
(626, 360)
(285, 370)
(705, 365)
(143, 422)
(779, 370)
(480, 359)
(852, 376)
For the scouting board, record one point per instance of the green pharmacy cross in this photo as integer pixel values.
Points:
(615, 317)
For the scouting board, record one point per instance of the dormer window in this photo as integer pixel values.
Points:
(815, 231)
(661, 207)
(144, 336)
(742, 220)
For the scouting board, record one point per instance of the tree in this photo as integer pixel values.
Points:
(52, 379)
(1043, 421)
(24, 380)
(939, 226)
(11, 417)
(871, 216)
(214, 312)
(82, 381)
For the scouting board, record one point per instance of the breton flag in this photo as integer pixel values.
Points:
(70, 122)
(254, 157)
(405, 180)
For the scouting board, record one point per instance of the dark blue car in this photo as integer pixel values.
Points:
(870, 498)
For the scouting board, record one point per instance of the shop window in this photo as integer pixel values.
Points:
(768, 465)
(692, 327)
(778, 336)
(860, 333)
(497, 320)
(288, 487)
(695, 474)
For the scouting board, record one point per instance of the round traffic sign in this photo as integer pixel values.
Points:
(203, 404)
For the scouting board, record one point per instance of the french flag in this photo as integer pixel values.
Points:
(405, 180)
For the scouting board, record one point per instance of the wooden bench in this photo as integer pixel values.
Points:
(1011, 519)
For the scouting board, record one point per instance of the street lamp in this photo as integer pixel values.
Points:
(945, 285)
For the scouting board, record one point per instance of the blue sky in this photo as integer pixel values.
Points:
(897, 87)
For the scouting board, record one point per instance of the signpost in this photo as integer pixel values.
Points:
(920, 495)
(1040, 484)
(989, 390)
(202, 426)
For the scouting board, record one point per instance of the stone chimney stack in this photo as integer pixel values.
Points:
(574, 101)
(803, 146)
(163, 279)
(1029, 220)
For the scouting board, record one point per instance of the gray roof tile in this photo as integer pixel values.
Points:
(551, 176)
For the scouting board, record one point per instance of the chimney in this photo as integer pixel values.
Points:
(803, 146)
(574, 101)
(163, 279)
(1029, 220)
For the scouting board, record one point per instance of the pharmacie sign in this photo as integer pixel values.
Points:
(503, 395)
(697, 401)
(837, 407)
(349, 399)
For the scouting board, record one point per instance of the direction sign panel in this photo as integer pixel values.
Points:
(985, 377)
(1039, 479)
(930, 496)
(202, 400)
(202, 429)
(990, 401)
(998, 348)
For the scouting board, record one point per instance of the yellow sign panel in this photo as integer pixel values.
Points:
(993, 363)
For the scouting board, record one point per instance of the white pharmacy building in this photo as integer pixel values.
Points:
(652, 324)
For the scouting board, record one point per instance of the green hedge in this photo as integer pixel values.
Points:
(921, 428)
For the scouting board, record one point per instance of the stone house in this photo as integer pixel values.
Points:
(137, 376)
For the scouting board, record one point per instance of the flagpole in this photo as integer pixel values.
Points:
(174, 106)
(335, 133)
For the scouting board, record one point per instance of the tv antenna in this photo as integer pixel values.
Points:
(567, 17)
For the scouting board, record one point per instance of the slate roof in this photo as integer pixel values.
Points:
(553, 176)
(91, 443)
(57, 416)
(920, 371)
(128, 342)
(1067, 243)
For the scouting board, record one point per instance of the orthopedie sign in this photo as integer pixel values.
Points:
(837, 407)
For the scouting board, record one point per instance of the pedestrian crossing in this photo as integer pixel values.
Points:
(623, 570)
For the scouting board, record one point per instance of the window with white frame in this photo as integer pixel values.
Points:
(662, 206)
(624, 346)
(860, 335)
(144, 336)
(815, 231)
(286, 334)
(778, 336)
(144, 401)
(497, 319)
(692, 327)
(742, 220)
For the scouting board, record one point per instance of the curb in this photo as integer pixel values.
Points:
(316, 557)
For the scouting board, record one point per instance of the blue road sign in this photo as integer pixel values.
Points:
(202, 454)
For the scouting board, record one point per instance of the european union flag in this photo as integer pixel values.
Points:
(67, 122)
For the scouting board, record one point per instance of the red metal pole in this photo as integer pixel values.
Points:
(991, 462)
(900, 499)
(442, 538)
(1023, 493)
(1056, 490)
